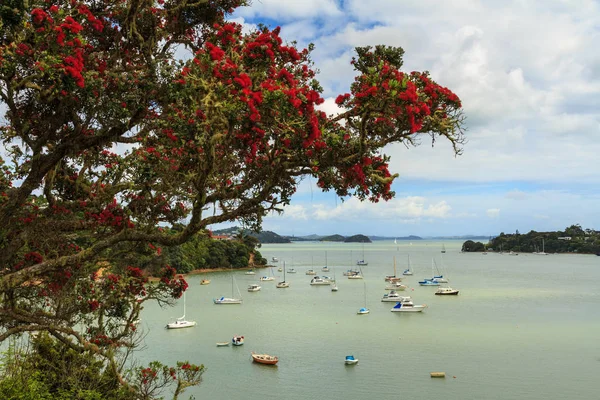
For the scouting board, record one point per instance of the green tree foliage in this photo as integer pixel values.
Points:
(116, 151)
(573, 239)
(470, 246)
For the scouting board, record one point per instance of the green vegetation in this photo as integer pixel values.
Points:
(470, 246)
(357, 239)
(333, 238)
(574, 239)
(203, 253)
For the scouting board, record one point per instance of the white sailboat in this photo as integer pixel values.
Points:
(543, 252)
(181, 321)
(268, 278)
(408, 271)
(283, 284)
(362, 262)
(334, 287)
(232, 299)
(364, 310)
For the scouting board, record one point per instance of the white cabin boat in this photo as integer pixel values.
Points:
(317, 280)
(446, 291)
(395, 286)
(311, 272)
(253, 288)
(408, 307)
(393, 296)
(355, 276)
(250, 272)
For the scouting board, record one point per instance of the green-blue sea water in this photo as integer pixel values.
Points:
(522, 327)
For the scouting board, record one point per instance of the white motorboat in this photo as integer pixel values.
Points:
(274, 259)
(408, 306)
(253, 288)
(317, 280)
(393, 296)
(250, 272)
(291, 271)
(395, 286)
(181, 322)
(446, 291)
(311, 272)
(355, 276)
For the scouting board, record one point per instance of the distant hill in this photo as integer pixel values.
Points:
(333, 238)
(269, 237)
(263, 237)
(357, 239)
(411, 237)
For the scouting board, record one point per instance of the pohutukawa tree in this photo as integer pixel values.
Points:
(109, 138)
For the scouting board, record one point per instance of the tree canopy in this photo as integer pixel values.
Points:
(110, 140)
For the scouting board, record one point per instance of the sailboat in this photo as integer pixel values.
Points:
(230, 300)
(364, 310)
(283, 284)
(334, 287)
(181, 322)
(362, 262)
(393, 278)
(268, 278)
(443, 248)
(408, 271)
(543, 252)
(325, 268)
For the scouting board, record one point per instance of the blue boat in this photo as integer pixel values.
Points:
(429, 282)
(350, 360)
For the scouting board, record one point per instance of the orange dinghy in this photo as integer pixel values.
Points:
(265, 359)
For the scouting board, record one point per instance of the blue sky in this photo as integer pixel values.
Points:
(528, 75)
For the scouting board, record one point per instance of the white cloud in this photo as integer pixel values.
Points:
(291, 9)
(493, 212)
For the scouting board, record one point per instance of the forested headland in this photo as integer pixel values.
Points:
(573, 239)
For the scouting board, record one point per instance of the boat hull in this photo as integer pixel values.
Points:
(452, 293)
(222, 344)
(265, 359)
(181, 325)
(351, 362)
(227, 301)
(409, 309)
(282, 285)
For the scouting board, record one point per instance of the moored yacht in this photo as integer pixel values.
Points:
(447, 291)
(253, 288)
(395, 297)
(317, 280)
(408, 306)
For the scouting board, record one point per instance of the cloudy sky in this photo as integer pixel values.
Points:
(528, 75)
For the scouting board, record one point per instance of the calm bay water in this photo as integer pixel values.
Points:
(523, 327)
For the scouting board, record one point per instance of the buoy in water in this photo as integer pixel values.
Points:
(438, 374)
